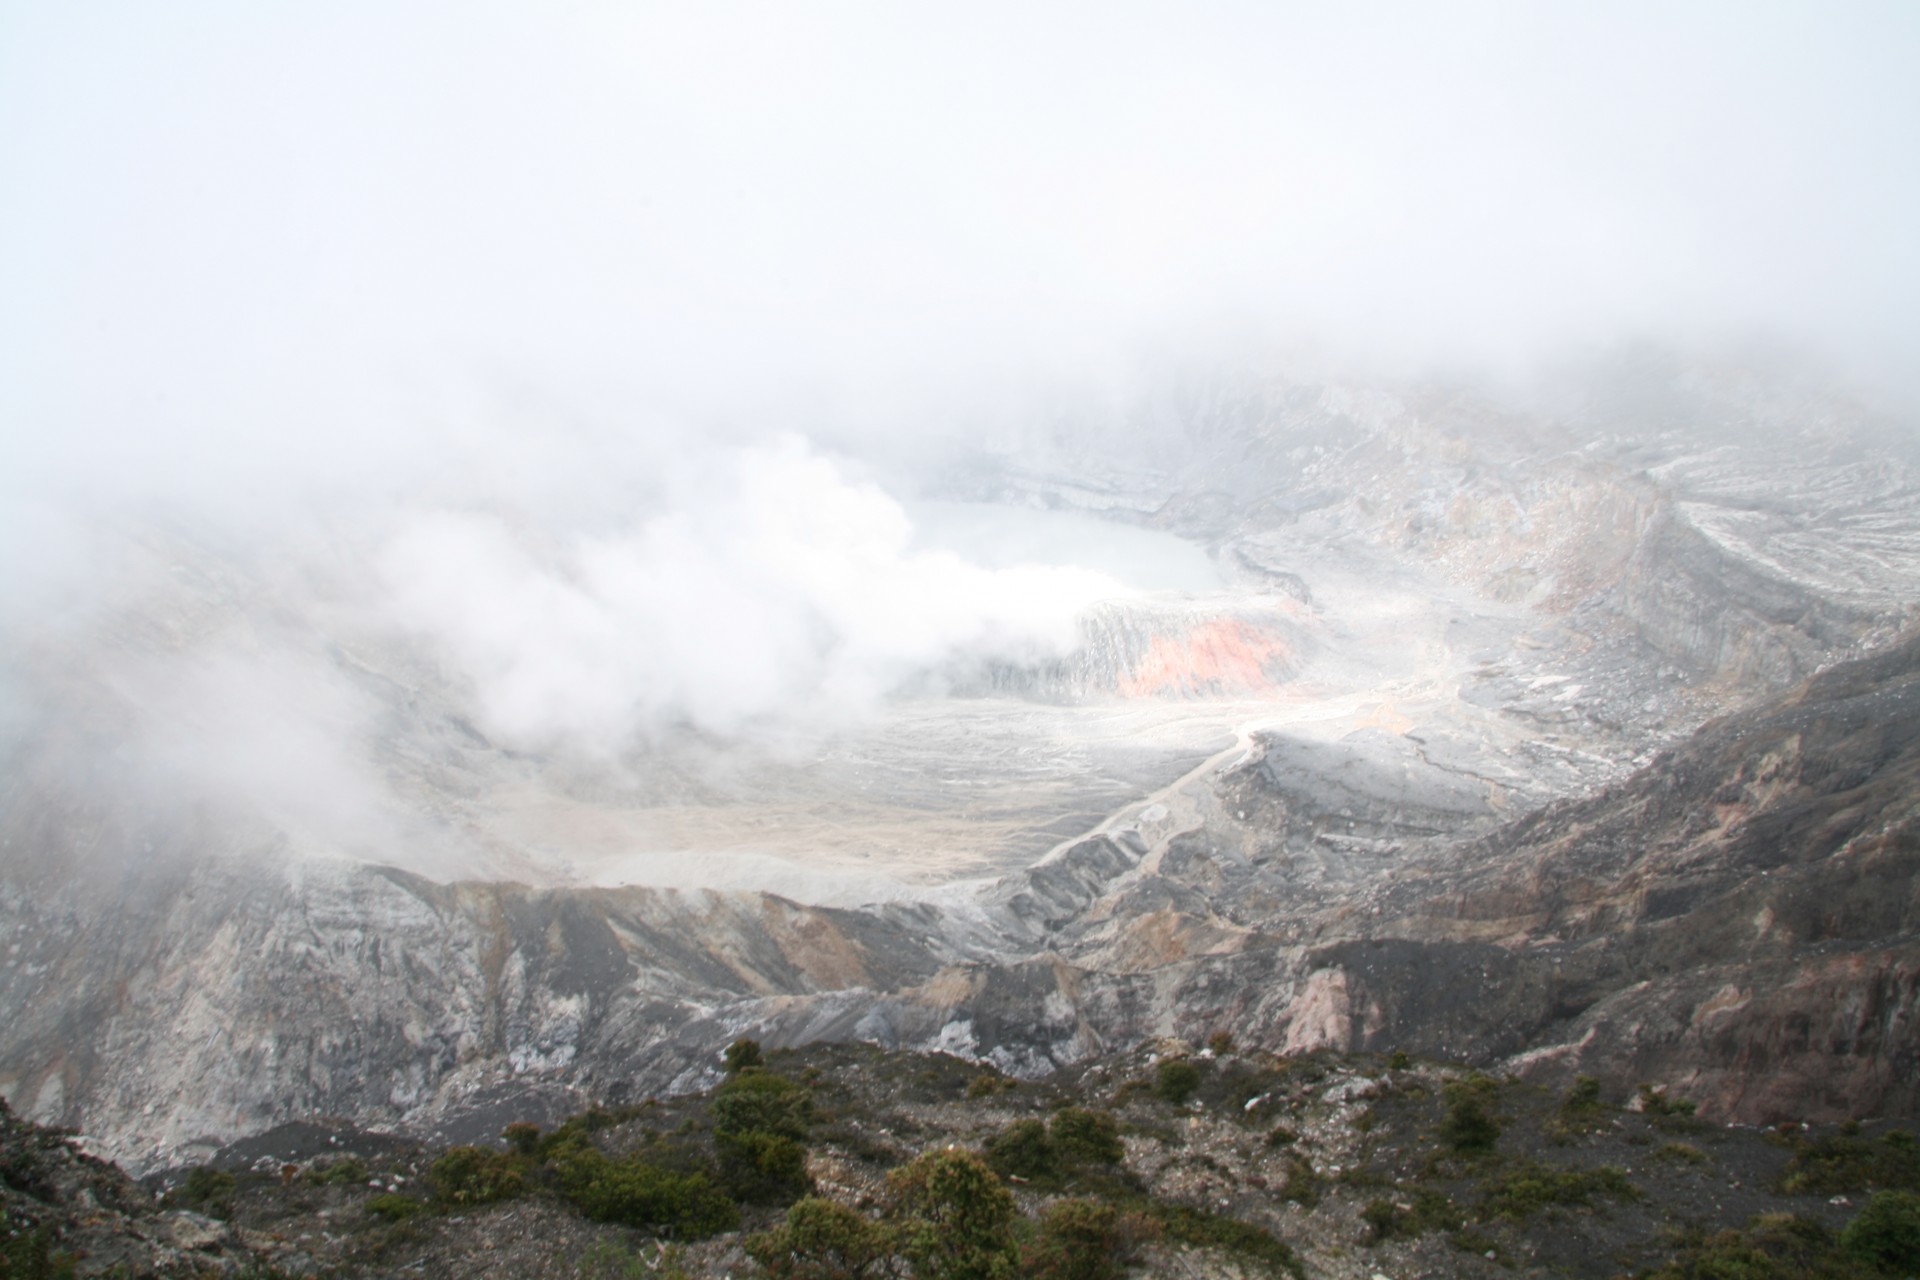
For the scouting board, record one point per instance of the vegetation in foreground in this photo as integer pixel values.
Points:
(851, 1162)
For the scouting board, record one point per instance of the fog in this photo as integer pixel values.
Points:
(611, 353)
(769, 587)
(241, 242)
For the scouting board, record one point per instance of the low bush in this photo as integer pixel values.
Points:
(755, 1100)
(1886, 1233)
(1175, 1081)
(762, 1168)
(1582, 1110)
(1468, 1126)
(634, 1193)
(1528, 1188)
(1771, 1247)
(1203, 1230)
(760, 1124)
(1087, 1137)
(1304, 1184)
(30, 1255)
(1843, 1163)
(822, 1240)
(1425, 1211)
(1583, 1099)
(347, 1171)
(475, 1175)
(1023, 1150)
(613, 1260)
(394, 1208)
(1076, 1140)
(742, 1054)
(954, 1218)
(207, 1190)
(1680, 1153)
(1674, 1115)
(986, 1086)
(578, 1128)
(1085, 1240)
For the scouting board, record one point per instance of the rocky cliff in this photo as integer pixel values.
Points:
(1740, 918)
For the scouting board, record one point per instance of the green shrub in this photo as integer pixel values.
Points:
(760, 1123)
(1428, 1211)
(1204, 1230)
(1528, 1188)
(1304, 1183)
(1655, 1102)
(30, 1255)
(1680, 1153)
(1087, 1137)
(1583, 1097)
(954, 1217)
(1176, 1081)
(1085, 1240)
(613, 1260)
(522, 1139)
(757, 1101)
(985, 1086)
(822, 1240)
(1582, 1110)
(742, 1054)
(475, 1175)
(1220, 1043)
(1771, 1247)
(344, 1172)
(635, 1193)
(1023, 1150)
(577, 1128)
(1886, 1233)
(208, 1190)
(1468, 1126)
(394, 1208)
(762, 1168)
(1843, 1163)
(1383, 1219)
(1674, 1115)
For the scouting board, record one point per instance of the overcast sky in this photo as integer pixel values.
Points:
(304, 234)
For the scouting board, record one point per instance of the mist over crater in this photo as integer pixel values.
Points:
(532, 545)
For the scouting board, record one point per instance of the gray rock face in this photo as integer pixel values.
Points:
(1738, 919)
(254, 994)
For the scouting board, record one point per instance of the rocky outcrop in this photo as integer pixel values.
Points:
(1727, 615)
(1742, 916)
(65, 1212)
(237, 997)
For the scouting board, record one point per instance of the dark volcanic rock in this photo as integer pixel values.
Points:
(1741, 915)
(83, 1213)
(1741, 918)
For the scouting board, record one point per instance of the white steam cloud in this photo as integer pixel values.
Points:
(770, 588)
